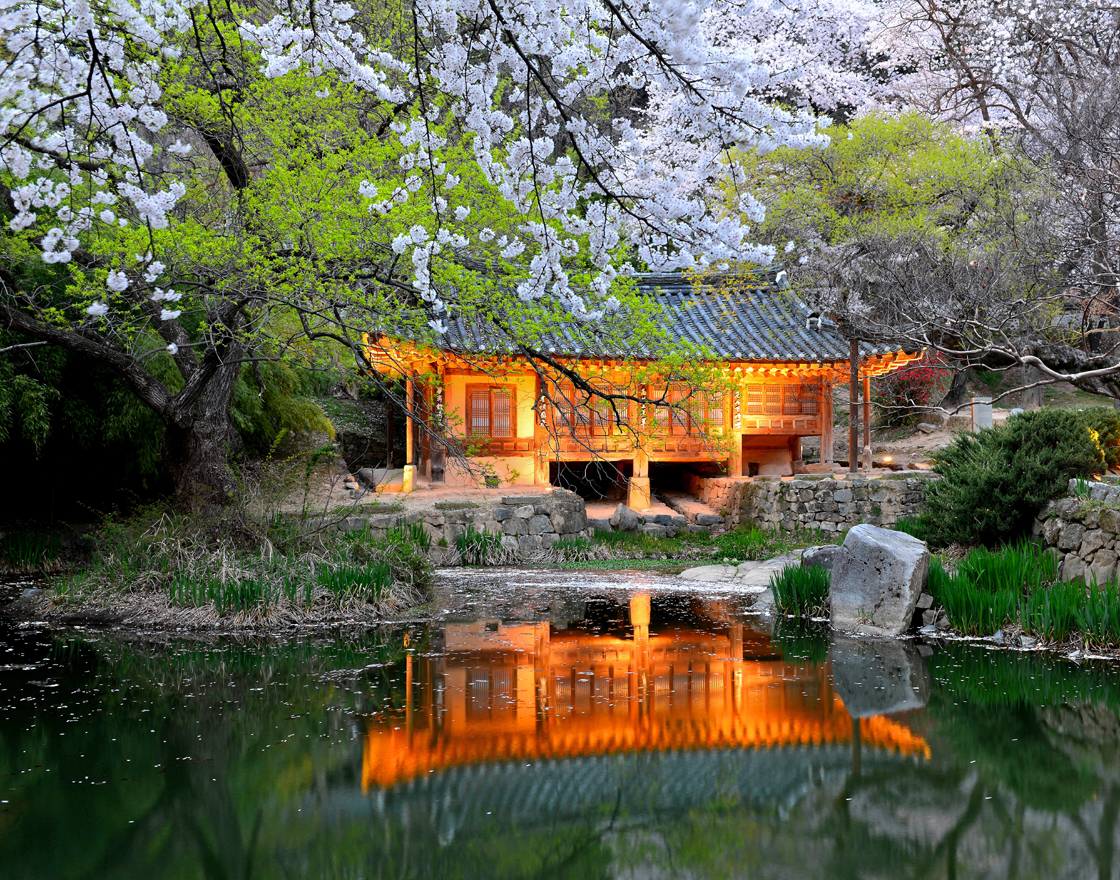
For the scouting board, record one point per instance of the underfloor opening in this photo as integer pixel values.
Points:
(593, 480)
(679, 476)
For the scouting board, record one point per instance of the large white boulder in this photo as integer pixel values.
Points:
(876, 581)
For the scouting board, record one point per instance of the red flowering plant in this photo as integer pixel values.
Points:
(901, 396)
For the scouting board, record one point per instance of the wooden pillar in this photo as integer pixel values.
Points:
(827, 423)
(389, 431)
(853, 406)
(409, 445)
(867, 423)
(638, 496)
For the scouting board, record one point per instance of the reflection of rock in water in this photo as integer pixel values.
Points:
(877, 677)
(1089, 734)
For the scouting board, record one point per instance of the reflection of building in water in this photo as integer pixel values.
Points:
(527, 691)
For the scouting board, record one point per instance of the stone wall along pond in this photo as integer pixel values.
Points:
(1084, 530)
(528, 525)
(811, 502)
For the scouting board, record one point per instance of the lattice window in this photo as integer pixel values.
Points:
(809, 395)
(791, 403)
(715, 411)
(773, 399)
(755, 400)
(491, 411)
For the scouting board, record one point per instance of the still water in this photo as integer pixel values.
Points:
(601, 727)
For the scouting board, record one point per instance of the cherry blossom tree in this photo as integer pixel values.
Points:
(214, 184)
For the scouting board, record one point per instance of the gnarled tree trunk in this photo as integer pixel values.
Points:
(197, 445)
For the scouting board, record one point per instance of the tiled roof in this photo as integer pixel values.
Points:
(735, 319)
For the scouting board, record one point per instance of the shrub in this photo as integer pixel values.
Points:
(801, 591)
(902, 395)
(994, 482)
(1105, 422)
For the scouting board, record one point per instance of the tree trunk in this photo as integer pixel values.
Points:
(954, 397)
(195, 451)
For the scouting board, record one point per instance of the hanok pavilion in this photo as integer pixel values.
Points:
(778, 362)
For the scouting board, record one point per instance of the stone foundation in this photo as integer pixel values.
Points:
(808, 502)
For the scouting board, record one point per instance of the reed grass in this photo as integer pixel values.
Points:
(801, 592)
(478, 547)
(1050, 612)
(26, 550)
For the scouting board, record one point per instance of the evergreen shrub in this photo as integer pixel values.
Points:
(994, 482)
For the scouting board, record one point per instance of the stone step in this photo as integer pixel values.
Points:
(696, 512)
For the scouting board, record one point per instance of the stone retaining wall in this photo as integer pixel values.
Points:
(1084, 531)
(528, 524)
(825, 503)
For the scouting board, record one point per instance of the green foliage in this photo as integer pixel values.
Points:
(26, 551)
(974, 610)
(1098, 616)
(478, 547)
(1022, 567)
(911, 525)
(801, 591)
(1051, 612)
(271, 403)
(801, 641)
(1105, 421)
(994, 482)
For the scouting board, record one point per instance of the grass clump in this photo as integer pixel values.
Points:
(1098, 615)
(478, 547)
(740, 545)
(280, 568)
(994, 482)
(1051, 612)
(801, 591)
(25, 551)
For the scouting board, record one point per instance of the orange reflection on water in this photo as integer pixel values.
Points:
(528, 691)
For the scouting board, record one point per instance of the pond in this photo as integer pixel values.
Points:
(553, 725)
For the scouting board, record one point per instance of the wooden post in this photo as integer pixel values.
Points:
(867, 423)
(409, 478)
(853, 406)
(389, 433)
(827, 423)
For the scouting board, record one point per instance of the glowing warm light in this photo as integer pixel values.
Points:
(888, 459)
(525, 692)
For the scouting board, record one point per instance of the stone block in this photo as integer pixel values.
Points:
(1051, 529)
(1103, 566)
(625, 519)
(876, 581)
(1073, 569)
(824, 556)
(525, 511)
(842, 496)
(1110, 521)
(1093, 541)
(515, 526)
(540, 524)
(1069, 538)
(528, 544)
(925, 601)
(501, 514)
(600, 525)
(708, 519)
(510, 543)
(654, 530)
